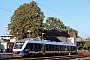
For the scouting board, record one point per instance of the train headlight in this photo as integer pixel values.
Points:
(26, 49)
(14, 52)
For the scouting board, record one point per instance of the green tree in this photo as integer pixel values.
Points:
(26, 17)
(52, 22)
(81, 45)
(87, 45)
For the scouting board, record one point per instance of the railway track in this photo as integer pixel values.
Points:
(55, 57)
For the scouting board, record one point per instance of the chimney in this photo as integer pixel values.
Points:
(68, 30)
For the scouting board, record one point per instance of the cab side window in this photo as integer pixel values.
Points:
(27, 46)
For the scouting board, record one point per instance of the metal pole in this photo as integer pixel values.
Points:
(6, 28)
(42, 36)
(29, 32)
(17, 35)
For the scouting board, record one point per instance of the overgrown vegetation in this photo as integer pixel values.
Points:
(85, 45)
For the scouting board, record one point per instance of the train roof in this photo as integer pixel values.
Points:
(23, 40)
(68, 44)
(34, 40)
(60, 43)
(52, 43)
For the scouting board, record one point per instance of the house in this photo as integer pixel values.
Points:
(6, 41)
(55, 35)
(72, 38)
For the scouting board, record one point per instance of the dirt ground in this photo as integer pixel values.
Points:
(85, 53)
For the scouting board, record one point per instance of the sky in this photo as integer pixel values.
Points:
(73, 13)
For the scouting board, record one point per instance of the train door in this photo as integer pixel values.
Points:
(69, 50)
(27, 47)
(58, 49)
(43, 49)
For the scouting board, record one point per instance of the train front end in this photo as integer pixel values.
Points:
(18, 50)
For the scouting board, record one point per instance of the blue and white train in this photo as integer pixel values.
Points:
(35, 46)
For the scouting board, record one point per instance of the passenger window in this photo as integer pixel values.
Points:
(47, 47)
(36, 46)
(31, 46)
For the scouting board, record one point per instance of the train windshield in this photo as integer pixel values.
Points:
(18, 45)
